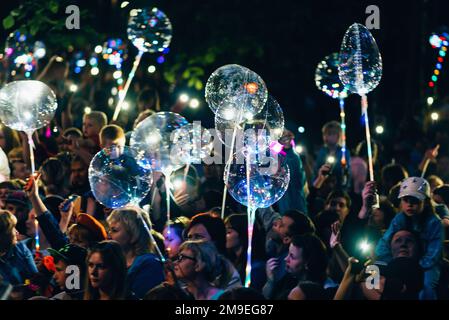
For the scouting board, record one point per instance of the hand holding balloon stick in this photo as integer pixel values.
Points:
(149, 30)
(360, 70)
(430, 155)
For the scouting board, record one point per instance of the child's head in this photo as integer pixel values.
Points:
(148, 99)
(414, 192)
(331, 133)
(112, 135)
(93, 122)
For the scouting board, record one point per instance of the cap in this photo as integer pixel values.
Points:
(93, 225)
(70, 253)
(415, 187)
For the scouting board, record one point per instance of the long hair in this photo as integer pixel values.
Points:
(115, 262)
(214, 226)
(133, 219)
(7, 224)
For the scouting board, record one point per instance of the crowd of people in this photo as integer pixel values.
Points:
(333, 235)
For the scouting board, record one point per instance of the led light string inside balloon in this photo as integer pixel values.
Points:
(343, 136)
(251, 214)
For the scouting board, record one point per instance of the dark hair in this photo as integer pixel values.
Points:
(214, 226)
(443, 192)
(166, 291)
(12, 139)
(392, 174)
(241, 293)
(388, 210)
(399, 272)
(239, 222)
(315, 256)
(150, 97)
(393, 195)
(114, 260)
(54, 176)
(302, 224)
(339, 193)
(323, 223)
(178, 225)
(312, 290)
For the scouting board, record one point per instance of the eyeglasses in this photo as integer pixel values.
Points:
(181, 257)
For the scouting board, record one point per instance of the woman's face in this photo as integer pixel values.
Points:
(199, 232)
(232, 238)
(99, 275)
(118, 233)
(171, 242)
(185, 265)
(411, 206)
(294, 262)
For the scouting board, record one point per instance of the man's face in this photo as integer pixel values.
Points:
(340, 205)
(294, 262)
(284, 225)
(403, 244)
(60, 275)
(78, 175)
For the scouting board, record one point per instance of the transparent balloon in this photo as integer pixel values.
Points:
(149, 30)
(17, 45)
(360, 68)
(327, 79)
(260, 129)
(235, 90)
(27, 105)
(192, 143)
(116, 179)
(153, 141)
(269, 178)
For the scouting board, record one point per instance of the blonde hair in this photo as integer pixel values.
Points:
(132, 220)
(98, 117)
(112, 132)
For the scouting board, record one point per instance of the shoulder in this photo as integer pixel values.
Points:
(146, 260)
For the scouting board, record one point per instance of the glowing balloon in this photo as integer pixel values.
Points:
(360, 66)
(192, 143)
(27, 105)
(153, 141)
(235, 91)
(149, 30)
(260, 129)
(269, 179)
(327, 79)
(116, 179)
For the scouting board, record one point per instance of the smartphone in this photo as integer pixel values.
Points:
(71, 199)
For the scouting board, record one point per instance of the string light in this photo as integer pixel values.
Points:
(438, 42)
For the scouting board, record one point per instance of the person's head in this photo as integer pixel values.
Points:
(401, 279)
(106, 271)
(86, 232)
(18, 204)
(307, 290)
(142, 116)
(414, 193)
(405, 243)
(210, 227)
(78, 173)
(71, 256)
(441, 195)
(173, 235)
(8, 232)
(127, 227)
(9, 139)
(293, 223)
(331, 133)
(197, 259)
(19, 169)
(67, 137)
(92, 124)
(435, 182)
(241, 293)
(112, 135)
(166, 291)
(381, 217)
(148, 99)
(53, 175)
(392, 174)
(339, 201)
(307, 258)
(323, 223)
